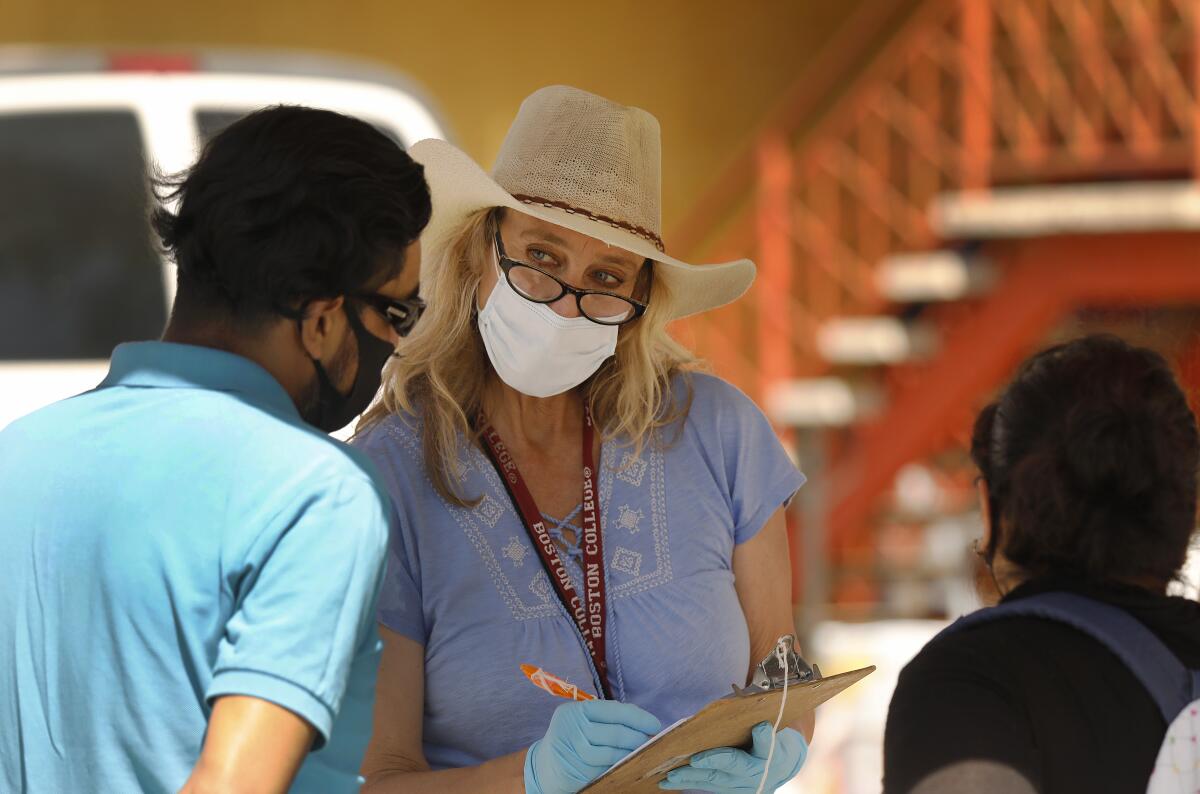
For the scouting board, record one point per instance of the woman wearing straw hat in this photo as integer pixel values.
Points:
(570, 493)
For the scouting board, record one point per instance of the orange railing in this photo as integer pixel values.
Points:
(968, 94)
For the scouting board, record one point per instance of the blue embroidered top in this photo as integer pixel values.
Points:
(467, 584)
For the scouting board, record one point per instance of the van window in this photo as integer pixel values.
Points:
(78, 271)
(210, 122)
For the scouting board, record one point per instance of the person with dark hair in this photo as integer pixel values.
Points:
(188, 587)
(1088, 464)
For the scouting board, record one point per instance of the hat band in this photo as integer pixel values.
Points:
(644, 233)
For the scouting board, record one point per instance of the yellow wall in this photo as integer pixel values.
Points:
(709, 69)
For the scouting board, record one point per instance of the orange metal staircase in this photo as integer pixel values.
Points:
(968, 100)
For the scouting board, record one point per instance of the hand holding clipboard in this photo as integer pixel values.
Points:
(723, 723)
(726, 722)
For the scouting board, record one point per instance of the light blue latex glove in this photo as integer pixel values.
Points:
(582, 742)
(728, 769)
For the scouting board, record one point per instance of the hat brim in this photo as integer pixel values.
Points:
(459, 187)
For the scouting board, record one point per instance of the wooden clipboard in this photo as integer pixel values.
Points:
(723, 723)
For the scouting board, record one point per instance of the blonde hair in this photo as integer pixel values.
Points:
(442, 367)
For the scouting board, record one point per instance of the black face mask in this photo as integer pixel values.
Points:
(335, 410)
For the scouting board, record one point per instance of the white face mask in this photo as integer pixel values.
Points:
(537, 351)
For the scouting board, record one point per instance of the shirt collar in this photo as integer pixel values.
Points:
(165, 365)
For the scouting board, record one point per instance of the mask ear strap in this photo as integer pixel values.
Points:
(356, 323)
(495, 257)
(298, 315)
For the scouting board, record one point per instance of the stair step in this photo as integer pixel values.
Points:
(821, 402)
(932, 276)
(1067, 209)
(874, 341)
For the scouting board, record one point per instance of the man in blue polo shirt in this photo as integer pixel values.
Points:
(188, 564)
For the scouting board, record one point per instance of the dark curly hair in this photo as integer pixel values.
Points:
(1091, 458)
(287, 205)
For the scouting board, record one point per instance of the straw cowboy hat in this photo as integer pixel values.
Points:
(579, 161)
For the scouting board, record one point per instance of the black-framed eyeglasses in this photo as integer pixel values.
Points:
(401, 313)
(535, 284)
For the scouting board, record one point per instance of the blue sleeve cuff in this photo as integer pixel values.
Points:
(404, 628)
(531, 783)
(778, 495)
(279, 691)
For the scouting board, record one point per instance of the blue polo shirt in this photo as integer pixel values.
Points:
(176, 535)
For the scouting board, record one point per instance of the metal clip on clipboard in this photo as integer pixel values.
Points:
(768, 675)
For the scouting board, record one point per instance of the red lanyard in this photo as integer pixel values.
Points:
(590, 614)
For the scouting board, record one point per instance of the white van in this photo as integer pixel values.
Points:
(79, 272)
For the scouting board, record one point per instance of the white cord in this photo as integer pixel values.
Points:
(782, 653)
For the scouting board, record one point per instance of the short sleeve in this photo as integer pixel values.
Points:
(401, 608)
(304, 598)
(760, 475)
(400, 605)
(949, 706)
